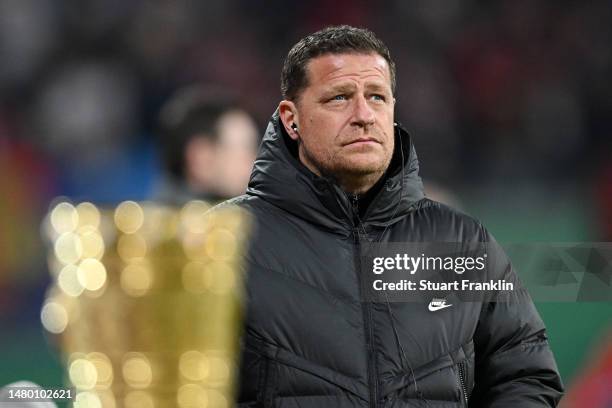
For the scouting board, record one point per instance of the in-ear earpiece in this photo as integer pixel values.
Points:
(294, 127)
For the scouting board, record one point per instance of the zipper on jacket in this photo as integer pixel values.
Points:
(462, 381)
(367, 311)
(355, 207)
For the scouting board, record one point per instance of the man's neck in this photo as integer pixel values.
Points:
(359, 185)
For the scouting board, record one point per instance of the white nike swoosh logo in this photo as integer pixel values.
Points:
(433, 308)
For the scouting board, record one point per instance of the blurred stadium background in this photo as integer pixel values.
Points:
(509, 103)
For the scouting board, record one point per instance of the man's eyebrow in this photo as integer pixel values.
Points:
(375, 86)
(341, 88)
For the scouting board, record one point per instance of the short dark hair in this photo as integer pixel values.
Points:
(331, 40)
(191, 112)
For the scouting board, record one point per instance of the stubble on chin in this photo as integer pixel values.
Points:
(351, 175)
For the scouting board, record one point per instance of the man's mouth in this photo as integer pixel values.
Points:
(362, 141)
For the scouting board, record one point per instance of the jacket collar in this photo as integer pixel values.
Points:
(280, 179)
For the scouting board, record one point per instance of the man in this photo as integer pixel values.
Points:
(333, 174)
(209, 146)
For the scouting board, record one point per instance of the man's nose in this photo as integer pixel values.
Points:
(363, 114)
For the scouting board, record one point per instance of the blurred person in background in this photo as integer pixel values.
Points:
(208, 145)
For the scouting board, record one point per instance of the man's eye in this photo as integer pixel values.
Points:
(339, 98)
(378, 97)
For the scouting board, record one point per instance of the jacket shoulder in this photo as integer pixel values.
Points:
(240, 201)
(440, 216)
(259, 210)
(251, 203)
(427, 204)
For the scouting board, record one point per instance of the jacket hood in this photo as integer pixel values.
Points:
(281, 180)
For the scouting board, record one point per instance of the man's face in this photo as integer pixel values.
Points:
(345, 116)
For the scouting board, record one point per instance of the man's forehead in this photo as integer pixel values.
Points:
(332, 66)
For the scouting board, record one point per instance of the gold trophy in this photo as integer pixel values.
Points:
(146, 304)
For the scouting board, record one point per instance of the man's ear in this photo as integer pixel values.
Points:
(289, 117)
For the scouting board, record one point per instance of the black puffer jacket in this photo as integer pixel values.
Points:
(311, 342)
